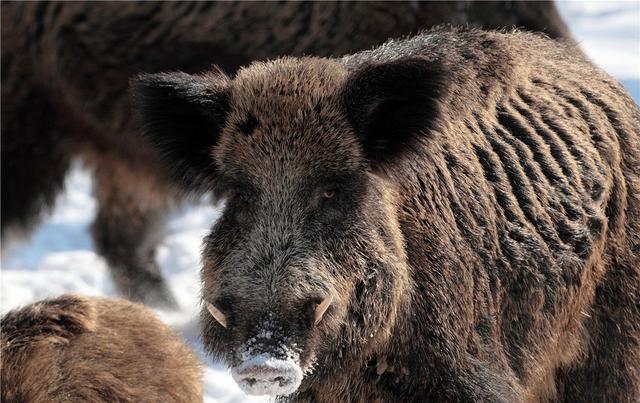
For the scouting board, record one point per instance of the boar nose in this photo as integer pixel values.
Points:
(267, 375)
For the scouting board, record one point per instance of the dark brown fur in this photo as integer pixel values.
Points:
(481, 237)
(65, 68)
(85, 349)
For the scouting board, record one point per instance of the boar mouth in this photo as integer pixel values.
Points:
(264, 374)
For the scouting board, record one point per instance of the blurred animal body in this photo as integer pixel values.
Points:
(453, 217)
(65, 72)
(85, 349)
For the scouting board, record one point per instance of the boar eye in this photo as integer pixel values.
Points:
(242, 197)
(329, 193)
(241, 206)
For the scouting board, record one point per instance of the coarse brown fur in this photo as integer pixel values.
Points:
(470, 200)
(85, 349)
(65, 68)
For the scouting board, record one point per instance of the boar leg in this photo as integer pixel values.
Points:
(34, 157)
(132, 205)
(610, 371)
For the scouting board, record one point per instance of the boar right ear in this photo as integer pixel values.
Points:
(183, 116)
(392, 104)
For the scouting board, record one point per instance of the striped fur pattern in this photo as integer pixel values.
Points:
(534, 170)
(481, 240)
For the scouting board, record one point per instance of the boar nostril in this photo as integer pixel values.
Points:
(266, 375)
(321, 308)
(217, 314)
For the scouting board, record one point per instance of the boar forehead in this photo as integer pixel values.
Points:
(287, 122)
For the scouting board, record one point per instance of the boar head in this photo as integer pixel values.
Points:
(305, 271)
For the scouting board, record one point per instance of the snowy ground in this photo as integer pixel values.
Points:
(609, 32)
(59, 257)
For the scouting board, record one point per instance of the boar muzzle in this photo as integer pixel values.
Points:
(268, 375)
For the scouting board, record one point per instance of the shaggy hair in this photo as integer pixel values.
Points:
(469, 201)
(65, 71)
(85, 349)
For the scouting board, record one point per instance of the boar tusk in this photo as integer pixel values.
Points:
(217, 314)
(322, 308)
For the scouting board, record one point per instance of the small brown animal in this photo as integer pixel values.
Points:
(86, 349)
(65, 71)
(454, 217)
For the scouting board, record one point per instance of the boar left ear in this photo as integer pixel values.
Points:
(391, 104)
(183, 116)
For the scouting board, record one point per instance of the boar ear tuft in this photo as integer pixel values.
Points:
(182, 116)
(392, 104)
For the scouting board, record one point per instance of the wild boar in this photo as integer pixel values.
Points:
(86, 349)
(65, 71)
(450, 217)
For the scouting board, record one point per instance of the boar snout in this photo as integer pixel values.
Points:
(265, 374)
(269, 362)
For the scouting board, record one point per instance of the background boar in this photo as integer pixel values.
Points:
(65, 68)
(452, 217)
(74, 348)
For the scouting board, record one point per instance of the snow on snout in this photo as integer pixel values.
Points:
(269, 363)
(264, 374)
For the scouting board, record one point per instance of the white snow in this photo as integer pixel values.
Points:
(609, 32)
(59, 257)
(263, 374)
(268, 362)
